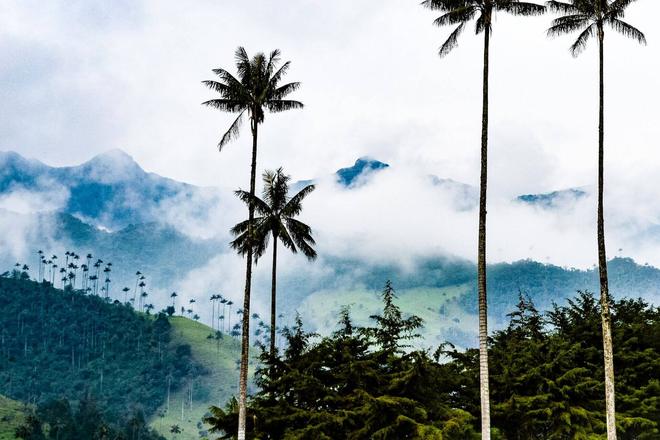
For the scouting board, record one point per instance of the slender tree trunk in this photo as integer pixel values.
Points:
(608, 351)
(212, 315)
(273, 299)
(481, 259)
(245, 339)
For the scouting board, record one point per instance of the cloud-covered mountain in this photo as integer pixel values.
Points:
(555, 198)
(109, 191)
(110, 207)
(463, 195)
(112, 191)
(353, 175)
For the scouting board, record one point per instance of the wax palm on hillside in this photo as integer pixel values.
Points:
(459, 13)
(277, 214)
(590, 18)
(257, 89)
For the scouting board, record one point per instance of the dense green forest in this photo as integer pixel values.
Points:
(59, 420)
(546, 377)
(62, 344)
(92, 368)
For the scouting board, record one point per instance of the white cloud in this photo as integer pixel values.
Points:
(81, 77)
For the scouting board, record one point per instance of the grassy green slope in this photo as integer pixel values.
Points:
(215, 388)
(11, 416)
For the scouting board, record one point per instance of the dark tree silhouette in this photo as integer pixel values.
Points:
(256, 91)
(459, 13)
(223, 301)
(590, 18)
(277, 214)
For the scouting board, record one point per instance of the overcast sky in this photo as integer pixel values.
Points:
(80, 77)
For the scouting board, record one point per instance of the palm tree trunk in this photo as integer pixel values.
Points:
(213, 315)
(608, 352)
(481, 259)
(273, 297)
(245, 338)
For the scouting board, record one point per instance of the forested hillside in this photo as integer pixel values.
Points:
(63, 344)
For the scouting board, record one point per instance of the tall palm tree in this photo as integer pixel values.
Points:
(143, 298)
(256, 90)
(137, 280)
(223, 301)
(107, 271)
(590, 18)
(459, 13)
(40, 255)
(142, 285)
(84, 269)
(229, 304)
(214, 298)
(277, 214)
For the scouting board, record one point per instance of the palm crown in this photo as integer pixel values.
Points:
(256, 90)
(276, 216)
(460, 12)
(590, 17)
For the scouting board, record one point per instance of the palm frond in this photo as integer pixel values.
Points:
(456, 16)
(617, 8)
(578, 46)
(445, 5)
(562, 7)
(227, 77)
(281, 105)
(259, 205)
(219, 87)
(627, 30)
(568, 24)
(285, 237)
(276, 189)
(284, 90)
(302, 236)
(451, 42)
(273, 59)
(232, 132)
(226, 105)
(239, 228)
(277, 76)
(244, 241)
(520, 8)
(241, 244)
(241, 55)
(480, 24)
(243, 65)
(261, 238)
(294, 205)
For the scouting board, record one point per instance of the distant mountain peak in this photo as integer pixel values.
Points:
(554, 198)
(14, 159)
(110, 167)
(110, 190)
(115, 158)
(349, 176)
